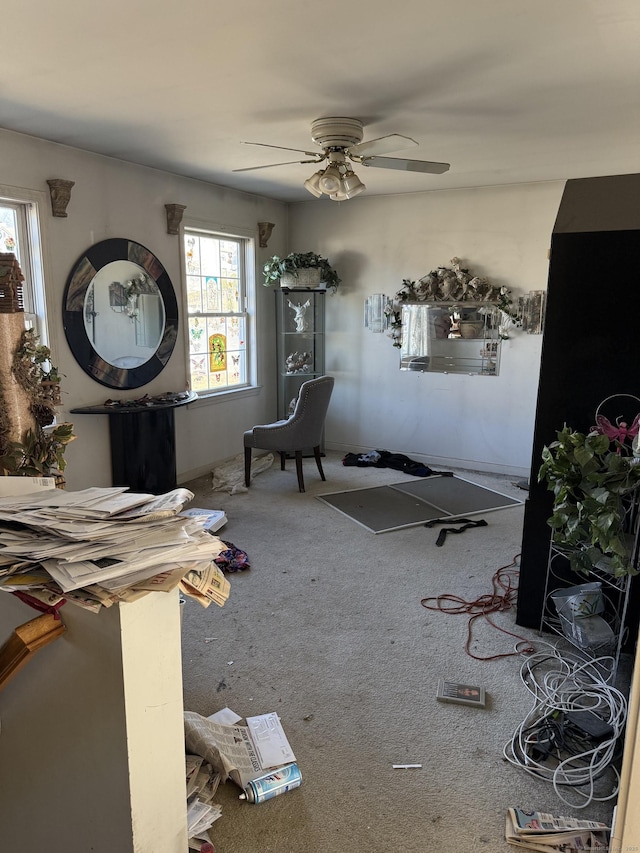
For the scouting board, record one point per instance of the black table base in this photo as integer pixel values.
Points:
(143, 444)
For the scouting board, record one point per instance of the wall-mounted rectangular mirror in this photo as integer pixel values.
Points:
(444, 338)
(375, 318)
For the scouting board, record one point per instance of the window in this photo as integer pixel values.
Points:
(19, 234)
(216, 277)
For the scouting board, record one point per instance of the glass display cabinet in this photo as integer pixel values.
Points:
(300, 341)
(439, 337)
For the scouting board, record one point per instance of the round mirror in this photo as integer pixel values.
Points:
(120, 314)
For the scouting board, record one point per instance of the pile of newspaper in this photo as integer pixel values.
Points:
(99, 546)
(220, 749)
(202, 784)
(238, 752)
(548, 834)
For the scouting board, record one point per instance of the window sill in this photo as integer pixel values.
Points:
(214, 397)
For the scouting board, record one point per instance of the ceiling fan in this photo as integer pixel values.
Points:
(341, 142)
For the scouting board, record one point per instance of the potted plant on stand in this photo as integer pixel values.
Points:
(300, 269)
(595, 479)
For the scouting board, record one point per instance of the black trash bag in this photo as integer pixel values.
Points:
(397, 461)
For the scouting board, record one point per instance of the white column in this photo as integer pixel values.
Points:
(92, 737)
(626, 830)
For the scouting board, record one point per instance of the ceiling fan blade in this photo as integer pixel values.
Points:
(270, 165)
(407, 165)
(382, 145)
(282, 148)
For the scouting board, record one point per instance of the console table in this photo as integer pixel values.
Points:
(142, 437)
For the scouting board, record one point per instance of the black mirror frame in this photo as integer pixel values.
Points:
(81, 276)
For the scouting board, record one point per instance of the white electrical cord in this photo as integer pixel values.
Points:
(566, 683)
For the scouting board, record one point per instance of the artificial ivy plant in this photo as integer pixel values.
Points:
(41, 450)
(40, 454)
(276, 267)
(594, 478)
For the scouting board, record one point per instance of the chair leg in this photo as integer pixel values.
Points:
(247, 466)
(316, 453)
(299, 470)
(283, 457)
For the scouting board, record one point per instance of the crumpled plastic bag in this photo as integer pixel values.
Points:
(578, 608)
(579, 602)
(230, 476)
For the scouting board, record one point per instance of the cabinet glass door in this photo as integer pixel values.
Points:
(300, 342)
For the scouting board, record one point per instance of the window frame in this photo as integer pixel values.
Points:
(34, 262)
(247, 257)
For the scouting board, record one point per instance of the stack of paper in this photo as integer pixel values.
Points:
(98, 546)
(547, 834)
(270, 741)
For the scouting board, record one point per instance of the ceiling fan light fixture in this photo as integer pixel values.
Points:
(340, 139)
(352, 185)
(330, 180)
(312, 184)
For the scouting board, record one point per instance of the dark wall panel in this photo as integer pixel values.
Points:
(590, 351)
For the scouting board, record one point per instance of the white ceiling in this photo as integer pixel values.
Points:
(504, 90)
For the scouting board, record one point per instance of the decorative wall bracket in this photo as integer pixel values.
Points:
(264, 232)
(174, 217)
(60, 192)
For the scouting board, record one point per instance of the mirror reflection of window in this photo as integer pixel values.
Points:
(417, 330)
(117, 297)
(150, 320)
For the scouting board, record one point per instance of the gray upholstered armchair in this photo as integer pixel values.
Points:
(302, 430)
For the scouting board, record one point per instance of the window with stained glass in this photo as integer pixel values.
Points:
(216, 305)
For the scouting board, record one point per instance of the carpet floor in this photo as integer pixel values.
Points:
(327, 629)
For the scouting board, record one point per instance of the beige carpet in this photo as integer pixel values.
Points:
(327, 629)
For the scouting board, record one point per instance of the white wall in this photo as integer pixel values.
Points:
(479, 422)
(116, 199)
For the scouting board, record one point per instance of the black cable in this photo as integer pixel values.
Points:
(443, 533)
(557, 738)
